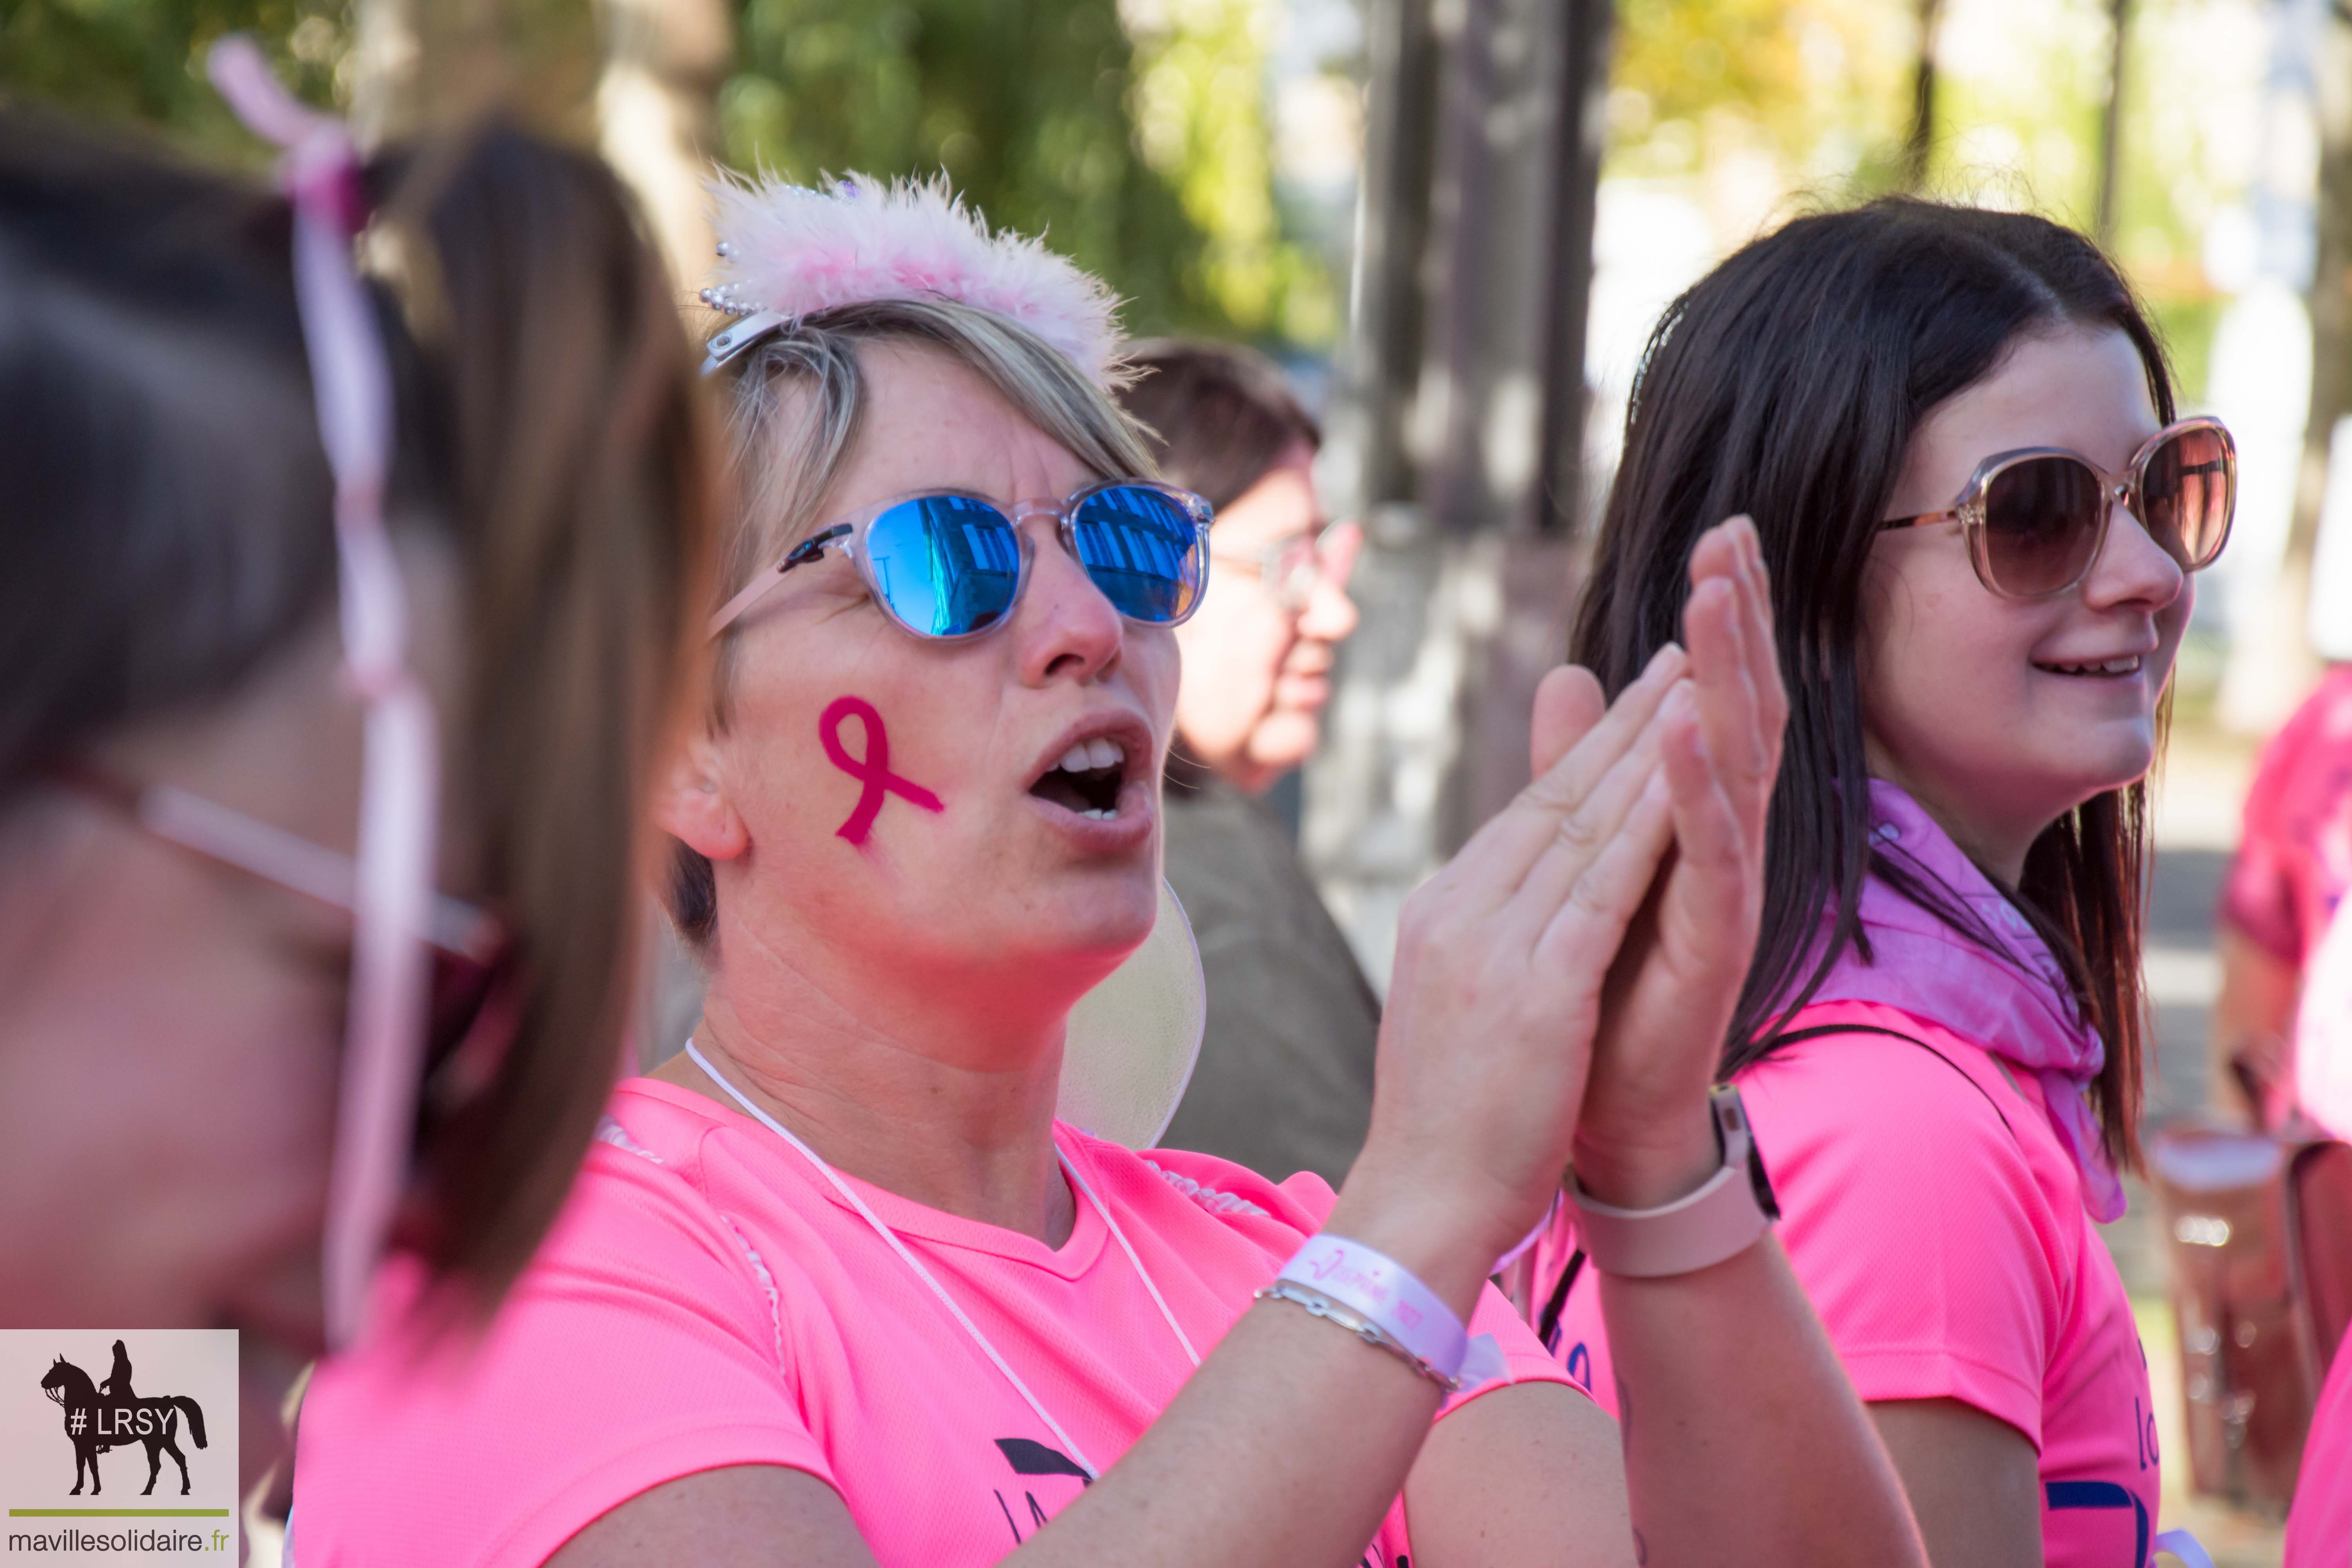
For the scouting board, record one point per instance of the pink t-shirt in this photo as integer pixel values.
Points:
(2294, 857)
(1938, 1226)
(707, 1299)
(2319, 1531)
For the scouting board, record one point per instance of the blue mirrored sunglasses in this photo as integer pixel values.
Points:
(947, 566)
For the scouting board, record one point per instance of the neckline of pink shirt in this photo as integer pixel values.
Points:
(2012, 999)
(889, 1235)
(1069, 1261)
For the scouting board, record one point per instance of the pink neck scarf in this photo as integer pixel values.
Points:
(2014, 1002)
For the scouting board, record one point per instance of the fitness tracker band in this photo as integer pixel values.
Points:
(1721, 1219)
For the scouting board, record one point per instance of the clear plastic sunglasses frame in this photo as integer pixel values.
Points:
(850, 537)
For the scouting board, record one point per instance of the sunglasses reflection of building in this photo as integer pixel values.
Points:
(1133, 545)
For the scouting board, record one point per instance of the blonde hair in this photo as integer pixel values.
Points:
(794, 409)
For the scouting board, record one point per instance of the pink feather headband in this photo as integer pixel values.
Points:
(787, 251)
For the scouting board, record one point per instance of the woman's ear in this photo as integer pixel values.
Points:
(691, 806)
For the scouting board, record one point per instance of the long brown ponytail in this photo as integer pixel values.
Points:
(582, 495)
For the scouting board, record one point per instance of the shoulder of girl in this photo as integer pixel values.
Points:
(1888, 1074)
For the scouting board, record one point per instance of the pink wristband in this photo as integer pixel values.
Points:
(1386, 1295)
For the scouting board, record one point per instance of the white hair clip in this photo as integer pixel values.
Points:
(786, 252)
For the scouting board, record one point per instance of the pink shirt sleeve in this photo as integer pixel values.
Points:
(1522, 1352)
(1914, 1222)
(2258, 896)
(2295, 858)
(2319, 1531)
(643, 1289)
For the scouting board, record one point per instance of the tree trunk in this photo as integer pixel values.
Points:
(638, 79)
(2272, 663)
(2111, 120)
(658, 104)
(1459, 438)
(1919, 141)
(418, 63)
(2331, 297)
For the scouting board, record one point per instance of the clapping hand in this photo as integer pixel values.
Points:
(1508, 970)
(1642, 1138)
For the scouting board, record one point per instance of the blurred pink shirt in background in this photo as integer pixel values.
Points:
(2293, 867)
(2295, 860)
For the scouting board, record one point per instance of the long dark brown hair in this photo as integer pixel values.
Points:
(171, 532)
(1787, 384)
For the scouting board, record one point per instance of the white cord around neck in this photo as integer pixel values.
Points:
(1069, 1445)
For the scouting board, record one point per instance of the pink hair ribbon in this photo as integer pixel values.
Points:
(394, 892)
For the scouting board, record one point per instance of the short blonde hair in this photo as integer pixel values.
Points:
(786, 462)
(794, 406)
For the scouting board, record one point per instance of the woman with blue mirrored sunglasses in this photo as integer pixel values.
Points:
(853, 1239)
(948, 565)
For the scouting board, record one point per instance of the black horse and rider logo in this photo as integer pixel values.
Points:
(112, 1416)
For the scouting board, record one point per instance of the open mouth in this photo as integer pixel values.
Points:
(1087, 778)
(2109, 668)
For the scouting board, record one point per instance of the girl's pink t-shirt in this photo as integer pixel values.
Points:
(2319, 1529)
(1938, 1226)
(707, 1299)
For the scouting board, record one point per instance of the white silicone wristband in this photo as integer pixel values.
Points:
(1385, 1294)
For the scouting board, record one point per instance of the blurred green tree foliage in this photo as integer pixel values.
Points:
(1144, 159)
(1818, 86)
(1027, 106)
(1199, 104)
(1756, 109)
(142, 61)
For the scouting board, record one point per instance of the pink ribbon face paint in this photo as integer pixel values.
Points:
(872, 770)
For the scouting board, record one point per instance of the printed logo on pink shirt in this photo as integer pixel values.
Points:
(1209, 1198)
(1032, 1459)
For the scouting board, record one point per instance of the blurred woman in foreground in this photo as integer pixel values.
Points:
(230, 661)
(837, 1285)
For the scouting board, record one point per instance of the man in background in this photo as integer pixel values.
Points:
(1284, 1081)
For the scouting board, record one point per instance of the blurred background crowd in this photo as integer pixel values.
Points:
(1454, 224)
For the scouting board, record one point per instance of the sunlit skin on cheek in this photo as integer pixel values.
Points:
(1976, 704)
